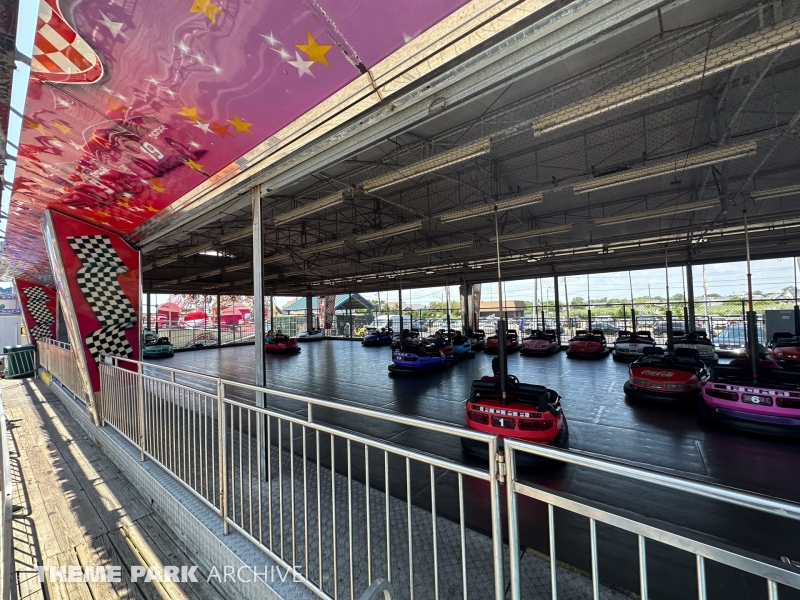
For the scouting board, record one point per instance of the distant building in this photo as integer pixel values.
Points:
(343, 303)
(513, 308)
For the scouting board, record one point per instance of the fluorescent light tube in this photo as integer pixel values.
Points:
(487, 209)
(667, 167)
(667, 211)
(239, 267)
(789, 190)
(236, 235)
(277, 258)
(716, 60)
(320, 248)
(383, 258)
(204, 275)
(510, 237)
(440, 161)
(310, 208)
(444, 248)
(390, 231)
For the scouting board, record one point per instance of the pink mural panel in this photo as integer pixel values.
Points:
(133, 104)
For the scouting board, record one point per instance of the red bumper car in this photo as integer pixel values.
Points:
(540, 343)
(588, 345)
(784, 347)
(666, 377)
(512, 343)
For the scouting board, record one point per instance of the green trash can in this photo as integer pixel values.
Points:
(20, 361)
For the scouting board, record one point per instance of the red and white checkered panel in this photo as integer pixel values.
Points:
(59, 53)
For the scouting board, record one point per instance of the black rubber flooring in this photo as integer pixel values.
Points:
(602, 421)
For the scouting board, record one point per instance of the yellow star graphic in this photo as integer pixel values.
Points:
(193, 165)
(316, 53)
(189, 113)
(151, 208)
(34, 125)
(239, 124)
(102, 213)
(116, 106)
(123, 204)
(209, 9)
(61, 127)
(156, 186)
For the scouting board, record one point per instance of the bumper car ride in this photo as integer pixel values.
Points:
(588, 345)
(531, 413)
(417, 362)
(287, 346)
(770, 407)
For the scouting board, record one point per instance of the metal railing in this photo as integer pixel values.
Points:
(288, 482)
(6, 525)
(58, 359)
(683, 539)
(320, 499)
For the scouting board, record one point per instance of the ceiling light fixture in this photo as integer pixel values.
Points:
(716, 60)
(310, 208)
(383, 258)
(789, 190)
(390, 231)
(440, 161)
(335, 245)
(510, 237)
(668, 167)
(487, 209)
(444, 248)
(659, 212)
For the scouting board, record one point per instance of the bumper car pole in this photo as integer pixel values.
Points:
(670, 347)
(502, 351)
(752, 323)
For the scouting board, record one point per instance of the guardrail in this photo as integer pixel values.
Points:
(58, 359)
(288, 482)
(246, 463)
(6, 525)
(689, 541)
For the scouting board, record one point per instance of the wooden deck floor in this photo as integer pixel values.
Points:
(73, 507)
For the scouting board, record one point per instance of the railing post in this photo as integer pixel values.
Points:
(223, 456)
(140, 411)
(513, 523)
(497, 527)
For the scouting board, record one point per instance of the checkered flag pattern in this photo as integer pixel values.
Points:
(59, 53)
(39, 312)
(98, 282)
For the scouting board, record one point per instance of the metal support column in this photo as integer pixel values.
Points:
(219, 320)
(558, 310)
(258, 292)
(309, 313)
(400, 309)
(258, 319)
(149, 316)
(690, 297)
